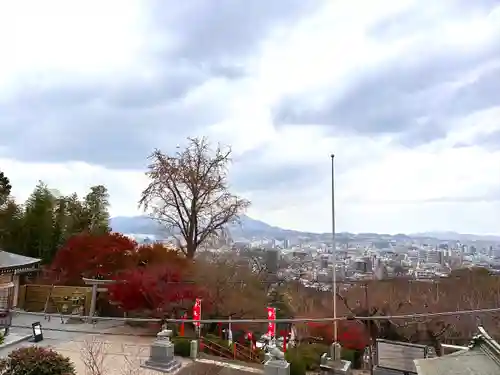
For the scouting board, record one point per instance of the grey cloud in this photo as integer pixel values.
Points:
(267, 176)
(116, 123)
(419, 18)
(100, 133)
(255, 171)
(490, 141)
(490, 196)
(226, 30)
(408, 98)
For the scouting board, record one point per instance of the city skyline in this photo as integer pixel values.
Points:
(407, 102)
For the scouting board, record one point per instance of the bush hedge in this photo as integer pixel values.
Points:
(182, 346)
(36, 360)
(308, 356)
(297, 363)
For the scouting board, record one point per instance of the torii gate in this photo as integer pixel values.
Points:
(95, 288)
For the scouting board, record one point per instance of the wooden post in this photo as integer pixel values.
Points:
(93, 301)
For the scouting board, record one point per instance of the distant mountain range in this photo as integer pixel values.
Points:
(247, 227)
(251, 228)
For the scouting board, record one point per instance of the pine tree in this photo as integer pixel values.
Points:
(11, 227)
(38, 223)
(96, 204)
(5, 188)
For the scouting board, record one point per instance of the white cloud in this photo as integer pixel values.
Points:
(380, 186)
(56, 37)
(67, 178)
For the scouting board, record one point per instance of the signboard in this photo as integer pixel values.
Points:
(37, 332)
(399, 356)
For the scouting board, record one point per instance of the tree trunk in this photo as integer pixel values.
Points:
(190, 250)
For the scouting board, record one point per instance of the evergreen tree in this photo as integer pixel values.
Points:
(47, 219)
(5, 188)
(38, 223)
(96, 204)
(76, 216)
(11, 227)
(60, 226)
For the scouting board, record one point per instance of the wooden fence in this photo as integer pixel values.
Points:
(34, 297)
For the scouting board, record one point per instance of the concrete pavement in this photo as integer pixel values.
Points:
(54, 331)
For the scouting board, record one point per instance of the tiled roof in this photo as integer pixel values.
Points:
(11, 262)
(482, 358)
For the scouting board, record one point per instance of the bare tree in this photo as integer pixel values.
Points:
(189, 193)
(93, 355)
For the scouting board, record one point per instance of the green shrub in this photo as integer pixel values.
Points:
(310, 354)
(182, 346)
(297, 364)
(36, 360)
(2, 338)
(348, 354)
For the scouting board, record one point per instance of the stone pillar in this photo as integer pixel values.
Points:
(16, 280)
(161, 357)
(336, 351)
(334, 364)
(193, 353)
(93, 302)
(276, 364)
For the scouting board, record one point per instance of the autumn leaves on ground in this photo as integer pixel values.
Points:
(189, 195)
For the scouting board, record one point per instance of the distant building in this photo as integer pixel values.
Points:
(381, 272)
(272, 259)
(363, 265)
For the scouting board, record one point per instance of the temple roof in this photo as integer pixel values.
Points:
(10, 262)
(482, 358)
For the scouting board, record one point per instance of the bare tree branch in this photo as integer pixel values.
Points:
(189, 194)
(93, 355)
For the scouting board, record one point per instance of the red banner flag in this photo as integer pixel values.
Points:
(197, 312)
(284, 334)
(271, 326)
(181, 330)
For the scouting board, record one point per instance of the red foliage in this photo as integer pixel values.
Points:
(350, 334)
(148, 255)
(153, 288)
(92, 256)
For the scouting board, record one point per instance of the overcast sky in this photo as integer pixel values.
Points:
(405, 93)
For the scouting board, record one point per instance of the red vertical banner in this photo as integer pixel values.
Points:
(271, 326)
(284, 334)
(197, 312)
(181, 330)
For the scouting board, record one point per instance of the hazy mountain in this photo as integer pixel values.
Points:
(248, 228)
(135, 224)
(454, 236)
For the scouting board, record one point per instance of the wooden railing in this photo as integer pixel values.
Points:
(236, 351)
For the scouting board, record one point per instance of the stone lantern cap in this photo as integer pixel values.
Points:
(164, 334)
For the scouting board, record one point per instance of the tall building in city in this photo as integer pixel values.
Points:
(271, 259)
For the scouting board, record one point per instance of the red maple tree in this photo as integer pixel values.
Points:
(350, 334)
(92, 256)
(154, 288)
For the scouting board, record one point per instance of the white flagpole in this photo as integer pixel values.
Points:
(334, 254)
(230, 333)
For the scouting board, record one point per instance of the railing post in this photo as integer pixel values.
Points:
(193, 353)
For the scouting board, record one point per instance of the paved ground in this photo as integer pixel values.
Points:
(121, 348)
